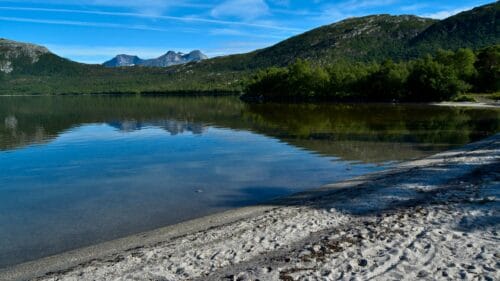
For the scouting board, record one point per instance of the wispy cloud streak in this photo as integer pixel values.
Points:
(82, 23)
(446, 13)
(153, 7)
(139, 15)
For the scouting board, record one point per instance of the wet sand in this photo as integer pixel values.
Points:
(434, 218)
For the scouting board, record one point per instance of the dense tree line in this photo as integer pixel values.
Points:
(431, 78)
(54, 75)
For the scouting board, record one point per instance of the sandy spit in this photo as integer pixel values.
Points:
(432, 219)
(492, 104)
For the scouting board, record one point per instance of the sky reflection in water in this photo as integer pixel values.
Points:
(121, 166)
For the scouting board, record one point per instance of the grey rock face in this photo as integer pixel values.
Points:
(12, 50)
(168, 59)
(123, 60)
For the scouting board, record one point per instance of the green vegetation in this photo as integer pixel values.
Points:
(359, 46)
(54, 75)
(372, 38)
(477, 28)
(495, 96)
(438, 78)
(488, 67)
(428, 126)
(360, 132)
(464, 98)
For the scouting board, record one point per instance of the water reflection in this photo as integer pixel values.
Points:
(373, 132)
(11, 122)
(94, 183)
(80, 170)
(174, 127)
(367, 133)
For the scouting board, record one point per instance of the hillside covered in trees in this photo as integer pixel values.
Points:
(352, 45)
(437, 78)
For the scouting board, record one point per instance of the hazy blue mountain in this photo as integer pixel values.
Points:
(27, 68)
(168, 59)
(123, 60)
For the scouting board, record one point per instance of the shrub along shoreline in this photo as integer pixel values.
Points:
(442, 77)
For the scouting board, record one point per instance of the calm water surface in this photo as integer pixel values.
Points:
(79, 170)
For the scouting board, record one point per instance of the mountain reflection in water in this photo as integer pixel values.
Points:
(78, 170)
(358, 132)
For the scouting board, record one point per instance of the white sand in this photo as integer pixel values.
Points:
(436, 218)
(492, 104)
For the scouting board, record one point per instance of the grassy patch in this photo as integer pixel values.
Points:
(462, 98)
(495, 96)
(486, 96)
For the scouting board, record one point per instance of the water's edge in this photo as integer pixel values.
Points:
(108, 250)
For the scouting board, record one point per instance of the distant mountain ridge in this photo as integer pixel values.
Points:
(27, 68)
(168, 59)
(475, 28)
(373, 38)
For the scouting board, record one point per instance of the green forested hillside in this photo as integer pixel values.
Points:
(51, 74)
(365, 39)
(357, 39)
(431, 78)
(373, 38)
(474, 29)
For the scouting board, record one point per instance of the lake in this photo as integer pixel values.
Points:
(78, 170)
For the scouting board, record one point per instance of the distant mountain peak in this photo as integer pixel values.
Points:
(167, 59)
(197, 54)
(125, 60)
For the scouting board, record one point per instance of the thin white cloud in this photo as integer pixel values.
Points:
(239, 33)
(237, 47)
(149, 16)
(414, 7)
(363, 4)
(150, 7)
(333, 12)
(226, 31)
(82, 23)
(283, 3)
(295, 12)
(242, 9)
(446, 13)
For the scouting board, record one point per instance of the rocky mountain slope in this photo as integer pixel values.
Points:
(478, 27)
(25, 68)
(168, 59)
(13, 53)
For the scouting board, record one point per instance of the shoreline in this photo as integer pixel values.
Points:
(477, 104)
(468, 104)
(246, 241)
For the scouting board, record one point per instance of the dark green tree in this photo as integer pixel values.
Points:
(388, 83)
(430, 80)
(462, 62)
(488, 68)
(306, 81)
(271, 82)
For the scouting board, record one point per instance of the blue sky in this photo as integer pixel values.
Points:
(95, 30)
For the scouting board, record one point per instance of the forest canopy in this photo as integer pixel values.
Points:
(431, 78)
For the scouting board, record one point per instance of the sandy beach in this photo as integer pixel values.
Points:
(482, 104)
(432, 219)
